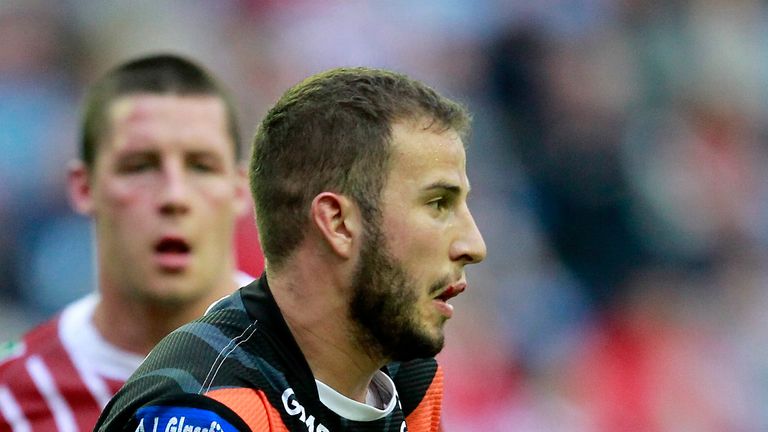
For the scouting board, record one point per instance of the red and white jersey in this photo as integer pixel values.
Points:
(63, 372)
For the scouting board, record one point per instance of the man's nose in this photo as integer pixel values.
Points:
(469, 245)
(174, 193)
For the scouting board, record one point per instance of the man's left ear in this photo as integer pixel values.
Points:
(337, 218)
(79, 188)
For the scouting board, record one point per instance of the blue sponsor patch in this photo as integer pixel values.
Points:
(162, 418)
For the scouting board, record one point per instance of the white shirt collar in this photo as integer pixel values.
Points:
(381, 389)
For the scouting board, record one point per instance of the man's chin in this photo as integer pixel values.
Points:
(168, 294)
(415, 346)
(427, 351)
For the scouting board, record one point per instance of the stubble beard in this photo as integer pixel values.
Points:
(384, 306)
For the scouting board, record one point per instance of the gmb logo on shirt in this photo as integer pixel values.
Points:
(294, 408)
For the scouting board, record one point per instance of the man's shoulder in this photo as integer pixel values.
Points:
(222, 332)
(201, 372)
(221, 349)
(40, 383)
(42, 340)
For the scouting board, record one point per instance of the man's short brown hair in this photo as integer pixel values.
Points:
(332, 132)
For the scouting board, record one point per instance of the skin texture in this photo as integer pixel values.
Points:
(164, 192)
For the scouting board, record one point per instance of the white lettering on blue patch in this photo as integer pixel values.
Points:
(180, 419)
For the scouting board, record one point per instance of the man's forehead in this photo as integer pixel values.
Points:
(143, 106)
(145, 113)
(143, 120)
(424, 157)
(414, 140)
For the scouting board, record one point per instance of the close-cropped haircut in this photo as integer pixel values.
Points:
(162, 74)
(333, 132)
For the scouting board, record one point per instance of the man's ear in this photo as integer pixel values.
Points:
(337, 219)
(79, 187)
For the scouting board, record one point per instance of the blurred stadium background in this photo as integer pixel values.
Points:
(619, 175)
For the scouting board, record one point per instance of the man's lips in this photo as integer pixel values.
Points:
(441, 300)
(172, 253)
(452, 291)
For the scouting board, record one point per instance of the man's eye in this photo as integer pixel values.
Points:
(134, 166)
(437, 203)
(204, 164)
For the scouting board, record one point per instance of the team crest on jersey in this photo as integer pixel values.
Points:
(180, 419)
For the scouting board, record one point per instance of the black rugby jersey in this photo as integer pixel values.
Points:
(238, 368)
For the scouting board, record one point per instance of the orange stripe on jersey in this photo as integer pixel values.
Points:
(252, 406)
(426, 416)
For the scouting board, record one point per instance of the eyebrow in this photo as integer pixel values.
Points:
(135, 152)
(449, 187)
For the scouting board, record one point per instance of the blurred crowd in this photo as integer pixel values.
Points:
(619, 168)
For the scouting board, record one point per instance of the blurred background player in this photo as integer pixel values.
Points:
(159, 175)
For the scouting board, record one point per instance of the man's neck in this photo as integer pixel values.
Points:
(137, 325)
(317, 315)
